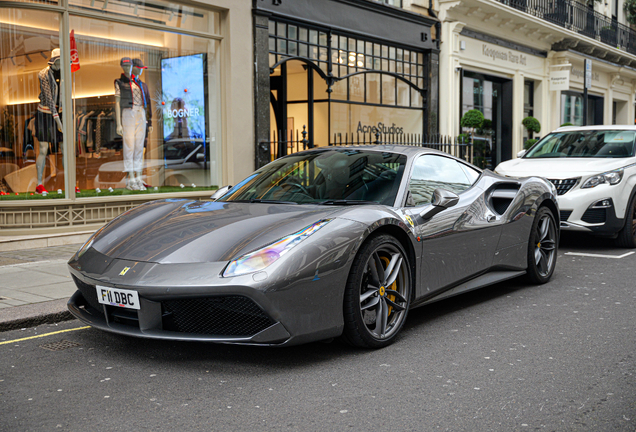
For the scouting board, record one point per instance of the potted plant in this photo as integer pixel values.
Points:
(532, 125)
(474, 119)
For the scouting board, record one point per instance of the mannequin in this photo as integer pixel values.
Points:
(132, 114)
(47, 119)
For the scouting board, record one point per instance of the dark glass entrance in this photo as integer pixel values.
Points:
(493, 97)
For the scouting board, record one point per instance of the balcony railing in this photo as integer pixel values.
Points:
(577, 17)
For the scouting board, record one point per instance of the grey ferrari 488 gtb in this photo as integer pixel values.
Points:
(337, 241)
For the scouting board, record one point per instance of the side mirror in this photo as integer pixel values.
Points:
(521, 153)
(220, 192)
(442, 199)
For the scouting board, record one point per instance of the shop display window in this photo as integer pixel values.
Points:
(31, 105)
(169, 14)
(145, 110)
(145, 107)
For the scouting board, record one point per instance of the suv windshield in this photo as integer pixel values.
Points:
(585, 144)
(325, 177)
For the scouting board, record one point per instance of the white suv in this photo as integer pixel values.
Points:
(594, 171)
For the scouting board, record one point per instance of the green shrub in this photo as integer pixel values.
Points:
(532, 125)
(529, 143)
(566, 124)
(463, 139)
(472, 119)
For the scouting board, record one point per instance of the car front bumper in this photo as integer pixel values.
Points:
(192, 302)
(592, 210)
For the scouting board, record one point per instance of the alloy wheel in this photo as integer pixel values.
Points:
(545, 248)
(383, 291)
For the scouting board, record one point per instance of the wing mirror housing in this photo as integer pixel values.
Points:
(442, 199)
(220, 192)
(521, 153)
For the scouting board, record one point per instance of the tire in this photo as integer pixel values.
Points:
(542, 247)
(627, 236)
(364, 302)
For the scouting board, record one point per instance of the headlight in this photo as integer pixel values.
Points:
(611, 177)
(263, 257)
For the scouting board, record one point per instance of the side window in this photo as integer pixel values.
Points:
(431, 172)
(471, 173)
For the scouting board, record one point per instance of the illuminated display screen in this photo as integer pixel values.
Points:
(183, 97)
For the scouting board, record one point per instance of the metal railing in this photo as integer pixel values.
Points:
(581, 19)
(281, 145)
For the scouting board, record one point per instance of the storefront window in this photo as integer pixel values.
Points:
(572, 109)
(31, 105)
(145, 109)
(356, 122)
(348, 55)
(164, 13)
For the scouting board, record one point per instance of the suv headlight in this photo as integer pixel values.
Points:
(267, 255)
(611, 177)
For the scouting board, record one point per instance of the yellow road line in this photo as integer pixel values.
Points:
(43, 335)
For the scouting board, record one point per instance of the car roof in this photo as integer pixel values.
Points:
(595, 127)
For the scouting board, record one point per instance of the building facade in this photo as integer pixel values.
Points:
(340, 71)
(516, 58)
(101, 99)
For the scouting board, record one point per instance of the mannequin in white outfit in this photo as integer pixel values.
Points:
(130, 117)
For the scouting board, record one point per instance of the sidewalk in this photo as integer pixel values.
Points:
(34, 286)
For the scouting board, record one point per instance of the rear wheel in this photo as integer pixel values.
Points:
(378, 293)
(627, 236)
(542, 247)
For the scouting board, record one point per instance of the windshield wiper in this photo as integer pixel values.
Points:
(345, 202)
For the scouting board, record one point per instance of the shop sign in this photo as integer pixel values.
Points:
(380, 127)
(559, 80)
(579, 74)
(507, 56)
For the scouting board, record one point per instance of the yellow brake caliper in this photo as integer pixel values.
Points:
(393, 286)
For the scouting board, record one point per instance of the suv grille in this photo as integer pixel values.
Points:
(219, 316)
(564, 185)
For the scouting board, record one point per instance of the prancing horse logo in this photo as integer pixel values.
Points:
(124, 271)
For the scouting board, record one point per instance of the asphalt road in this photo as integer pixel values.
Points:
(510, 357)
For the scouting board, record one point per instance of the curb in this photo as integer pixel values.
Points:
(32, 315)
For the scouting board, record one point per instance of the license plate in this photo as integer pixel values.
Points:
(118, 297)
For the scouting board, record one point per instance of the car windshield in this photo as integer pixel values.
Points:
(585, 144)
(335, 176)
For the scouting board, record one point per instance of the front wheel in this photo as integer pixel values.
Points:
(627, 236)
(542, 247)
(378, 293)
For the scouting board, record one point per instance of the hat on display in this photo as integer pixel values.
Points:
(139, 64)
(55, 54)
(126, 61)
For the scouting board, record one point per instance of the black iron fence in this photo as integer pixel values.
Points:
(579, 18)
(282, 144)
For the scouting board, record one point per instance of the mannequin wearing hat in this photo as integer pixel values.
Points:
(48, 126)
(133, 117)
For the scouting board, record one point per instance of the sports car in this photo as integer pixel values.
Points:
(329, 242)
